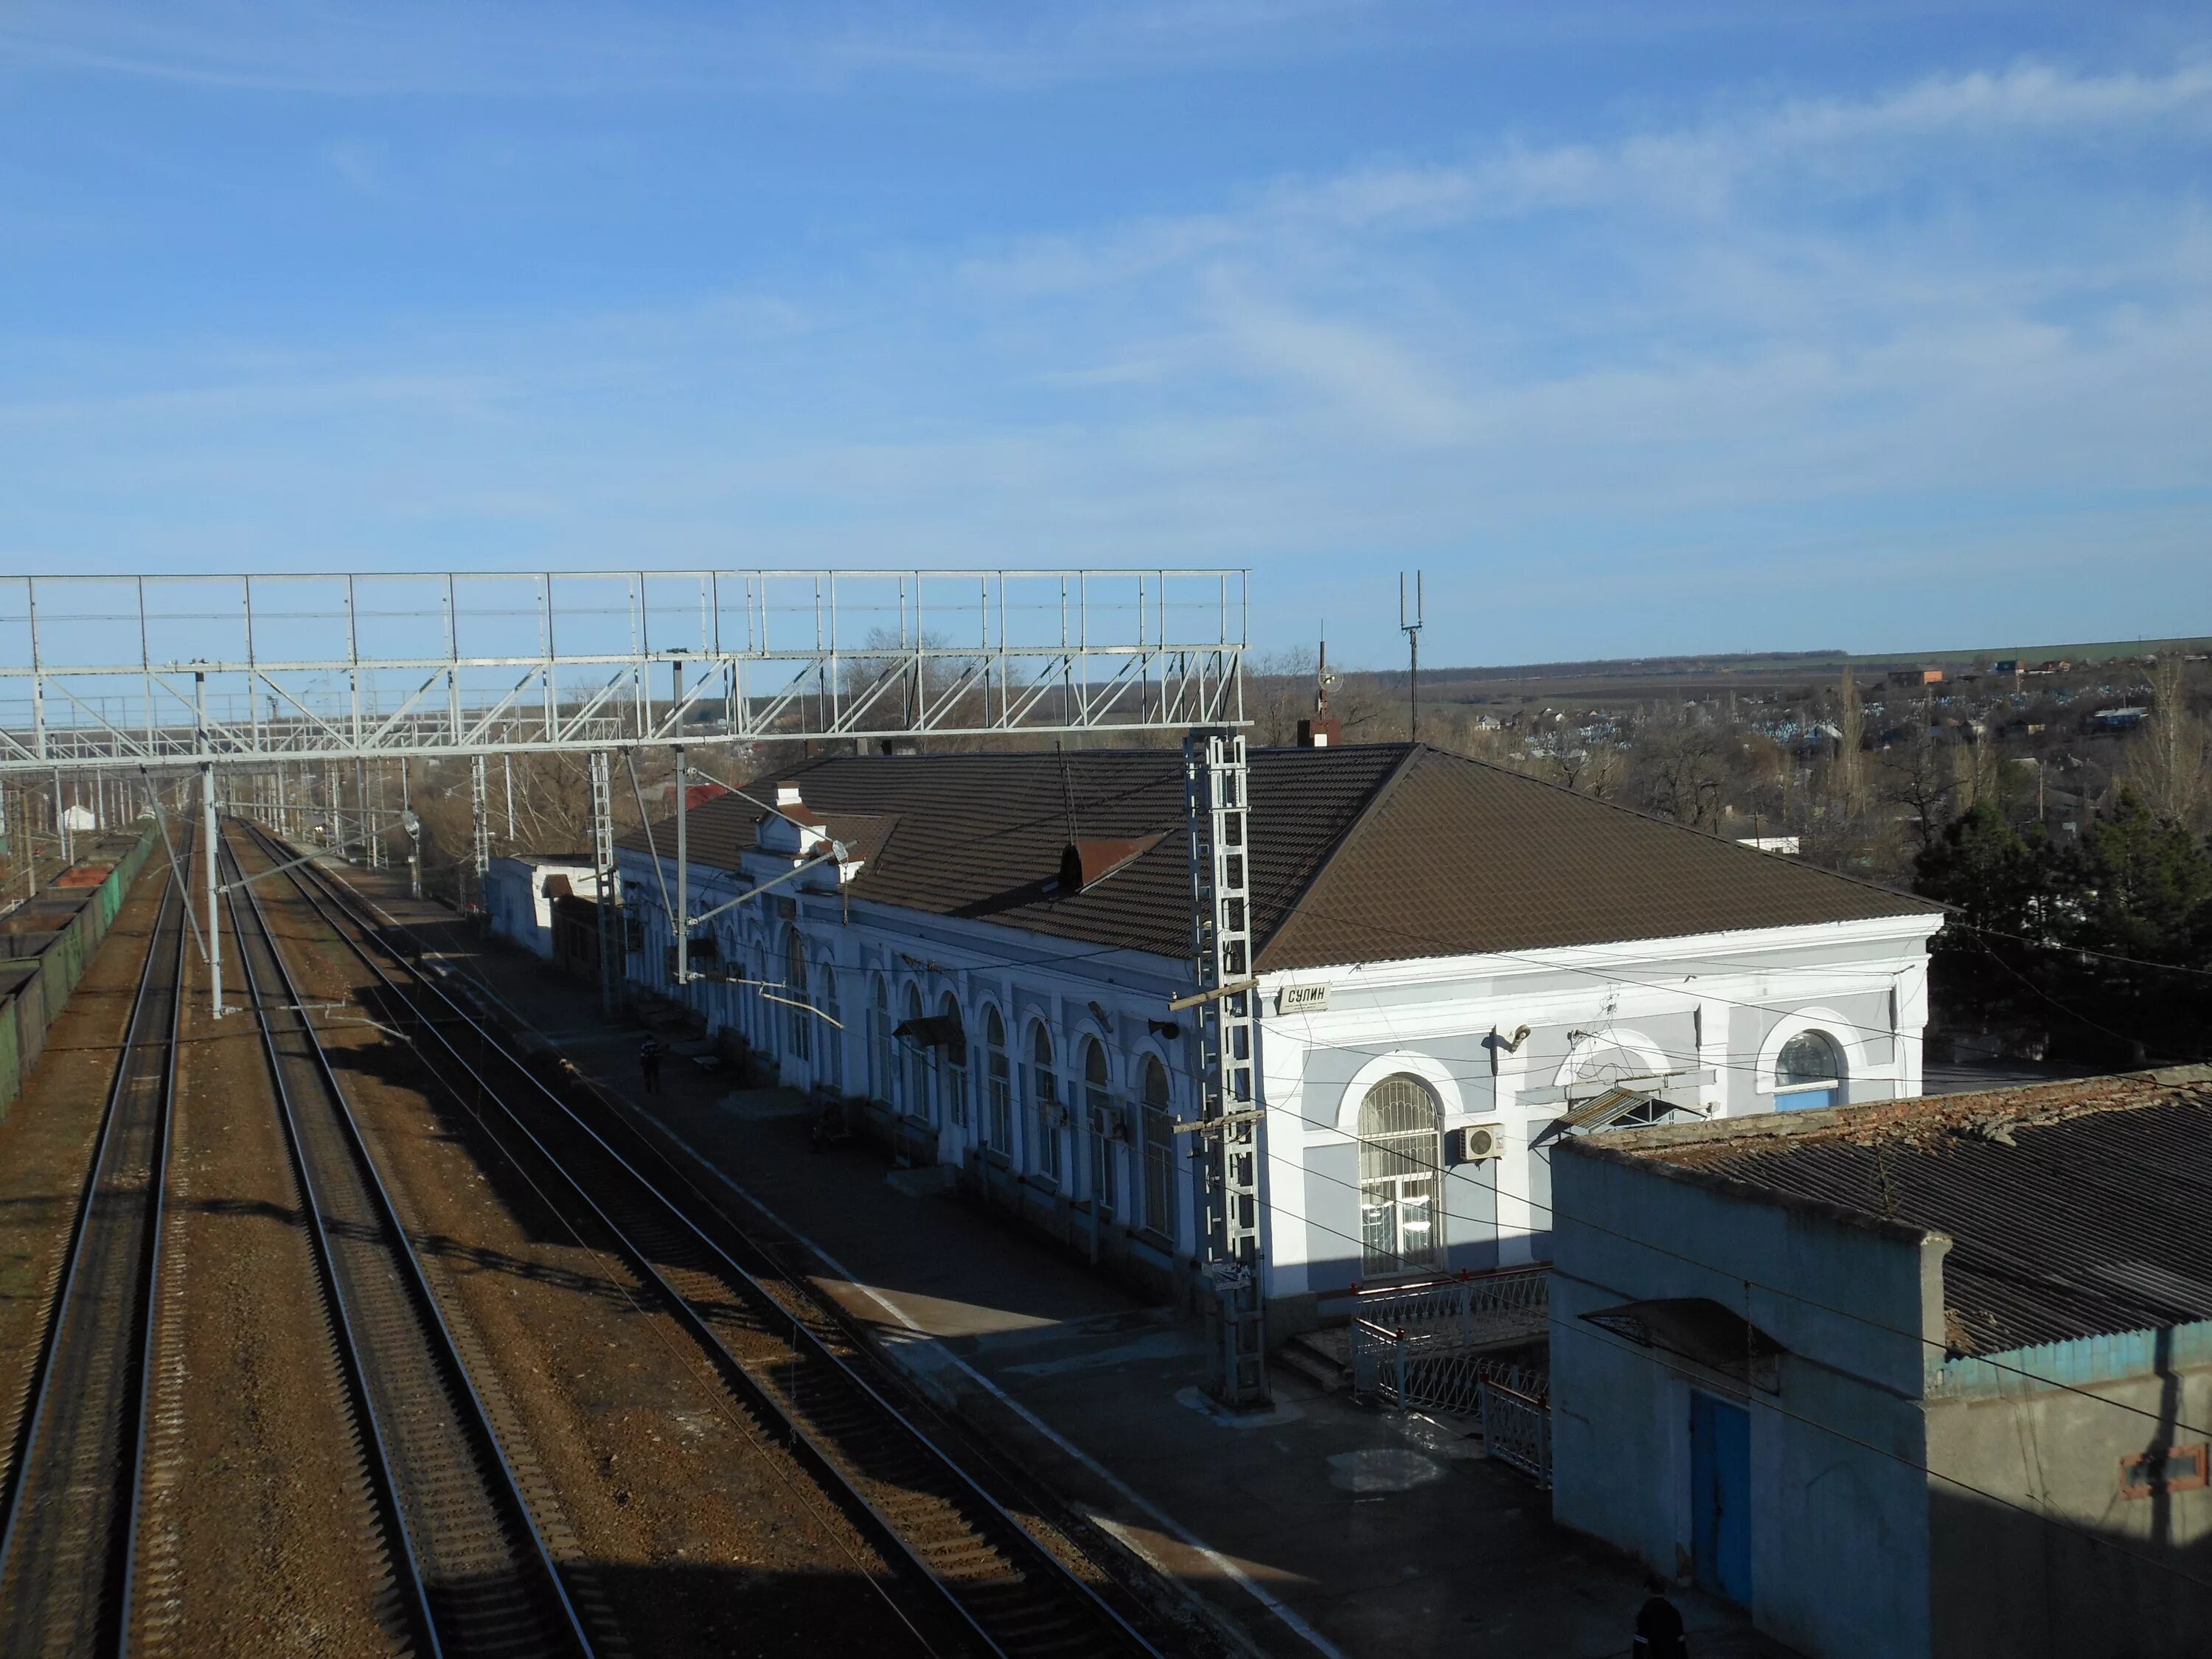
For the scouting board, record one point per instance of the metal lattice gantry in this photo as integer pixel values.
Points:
(132, 671)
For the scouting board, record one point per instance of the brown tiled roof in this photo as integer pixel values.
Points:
(1456, 857)
(1374, 851)
(982, 834)
(2075, 1208)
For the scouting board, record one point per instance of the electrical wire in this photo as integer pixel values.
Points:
(1049, 961)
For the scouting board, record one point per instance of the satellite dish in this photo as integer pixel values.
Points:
(410, 824)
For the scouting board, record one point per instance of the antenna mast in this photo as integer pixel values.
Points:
(1411, 623)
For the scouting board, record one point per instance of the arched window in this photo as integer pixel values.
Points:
(1809, 1072)
(1045, 1110)
(880, 1039)
(951, 1061)
(1158, 1151)
(1100, 1119)
(1400, 1177)
(831, 1071)
(798, 1025)
(914, 1061)
(998, 1085)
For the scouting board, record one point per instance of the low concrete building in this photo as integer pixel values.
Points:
(520, 893)
(1452, 958)
(1927, 1377)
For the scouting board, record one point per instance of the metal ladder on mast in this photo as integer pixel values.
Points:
(1231, 1114)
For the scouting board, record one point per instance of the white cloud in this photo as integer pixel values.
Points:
(1582, 374)
(1698, 172)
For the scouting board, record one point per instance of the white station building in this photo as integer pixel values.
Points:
(1458, 965)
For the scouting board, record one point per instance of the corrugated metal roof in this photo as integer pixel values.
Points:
(1367, 853)
(2076, 1208)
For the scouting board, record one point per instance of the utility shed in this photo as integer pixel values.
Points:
(1919, 1377)
(1456, 963)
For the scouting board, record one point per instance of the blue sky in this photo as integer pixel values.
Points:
(1642, 327)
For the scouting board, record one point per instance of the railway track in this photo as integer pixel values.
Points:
(470, 1575)
(985, 1576)
(68, 1531)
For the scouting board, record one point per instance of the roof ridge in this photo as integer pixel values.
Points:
(1399, 770)
(1688, 829)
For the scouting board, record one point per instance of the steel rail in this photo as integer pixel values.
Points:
(68, 1544)
(474, 1568)
(383, 1483)
(1000, 1583)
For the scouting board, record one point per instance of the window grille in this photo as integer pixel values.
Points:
(1098, 1109)
(952, 1065)
(798, 1025)
(879, 1040)
(1158, 1151)
(915, 1062)
(1401, 1178)
(831, 1071)
(1044, 1103)
(999, 1127)
(1809, 1072)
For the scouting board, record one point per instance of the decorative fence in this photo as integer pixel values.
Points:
(1434, 1345)
(1517, 1429)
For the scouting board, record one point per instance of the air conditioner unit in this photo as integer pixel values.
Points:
(1106, 1123)
(1477, 1144)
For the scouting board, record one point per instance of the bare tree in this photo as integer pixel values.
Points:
(1683, 762)
(2169, 759)
(1588, 764)
(1850, 777)
(1921, 777)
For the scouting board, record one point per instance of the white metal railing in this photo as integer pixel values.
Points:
(1433, 1346)
(1469, 1309)
(1517, 1429)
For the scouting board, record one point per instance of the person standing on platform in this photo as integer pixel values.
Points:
(1659, 1626)
(648, 1063)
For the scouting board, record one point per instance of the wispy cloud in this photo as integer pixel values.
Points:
(1829, 146)
(564, 48)
(1782, 350)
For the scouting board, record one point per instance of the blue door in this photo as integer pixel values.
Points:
(1720, 1498)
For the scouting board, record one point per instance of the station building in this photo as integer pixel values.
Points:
(1457, 966)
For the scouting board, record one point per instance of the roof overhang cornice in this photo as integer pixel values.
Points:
(1723, 949)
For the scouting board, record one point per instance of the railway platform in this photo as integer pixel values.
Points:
(1322, 1526)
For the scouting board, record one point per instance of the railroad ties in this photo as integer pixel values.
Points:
(67, 1541)
(985, 1577)
(470, 1572)
(462, 1525)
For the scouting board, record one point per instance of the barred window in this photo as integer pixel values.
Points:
(1159, 1130)
(1098, 1109)
(1044, 1103)
(999, 1126)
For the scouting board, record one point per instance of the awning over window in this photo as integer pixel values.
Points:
(1698, 1328)
(932, 1031)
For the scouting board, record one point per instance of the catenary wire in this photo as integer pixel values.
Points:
(1047, 961)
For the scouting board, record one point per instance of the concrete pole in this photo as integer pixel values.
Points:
(61, 820)
(207, 835)
(213, 935)
(682, 880)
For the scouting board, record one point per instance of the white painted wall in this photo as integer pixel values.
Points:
(1706, 1007)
